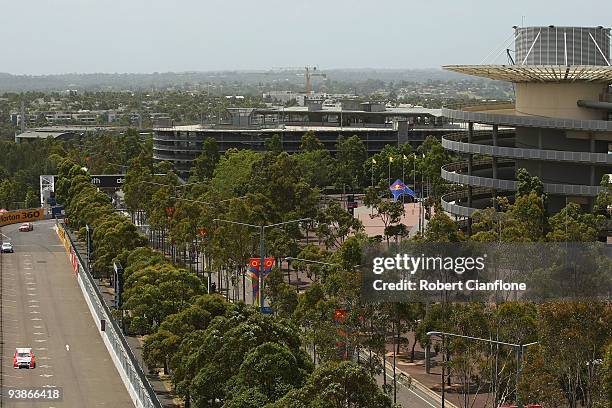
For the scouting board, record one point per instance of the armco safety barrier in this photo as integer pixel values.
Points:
(131, 373)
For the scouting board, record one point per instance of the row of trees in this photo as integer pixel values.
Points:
(86, 206)
(265, 188)
(20, 168)
(217, 353)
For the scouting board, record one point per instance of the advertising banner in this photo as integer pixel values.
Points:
(254, 268)
(18, 216)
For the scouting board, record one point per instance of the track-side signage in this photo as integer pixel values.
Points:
(15, 217)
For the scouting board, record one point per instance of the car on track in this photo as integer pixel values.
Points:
(7, 247)
(24, 358)
(26, 226)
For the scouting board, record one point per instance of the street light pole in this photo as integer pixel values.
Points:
(519, 354)
(87, 227)
(262, 255)
(262, 248)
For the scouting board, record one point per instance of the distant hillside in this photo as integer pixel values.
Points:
(99, 81)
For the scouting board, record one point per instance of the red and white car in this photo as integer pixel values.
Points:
(27, 226)
(24, 358)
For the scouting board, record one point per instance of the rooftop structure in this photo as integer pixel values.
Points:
(559, 127)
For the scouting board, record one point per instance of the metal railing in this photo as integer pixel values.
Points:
(528, 121)
(449, 200)
(139, 388)
(458, 143)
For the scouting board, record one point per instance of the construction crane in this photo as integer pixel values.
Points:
(309, 72)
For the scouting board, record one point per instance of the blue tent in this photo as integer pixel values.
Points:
(398, 188)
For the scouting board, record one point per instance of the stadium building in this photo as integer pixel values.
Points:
(559, 127)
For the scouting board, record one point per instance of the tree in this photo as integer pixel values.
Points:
(433, 157)
(352, 154)
(233, 173)
(389, 212)
(603, 202)
(513, 322)
(527, 221)
(573, 336)
(335, 224)
(282, 296)
(274, 144)
(311, 143)
(539, 384)
(226, 344)
(337, 385)
(606, 370)
(528, 184)
(280, 179)
(31, 199)
(155, 292)
(570, 224)
(315, 313)
(204, 165)
(442, 229)
(162, 347)
(271, 369)
(317, 167)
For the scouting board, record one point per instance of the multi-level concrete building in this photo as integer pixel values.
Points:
(248, 128)
(559, 128)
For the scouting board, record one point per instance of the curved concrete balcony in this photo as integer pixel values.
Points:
(164, 148)
(450, 201)
(455, 173)
(528, 121)
(457, 142)
(173, 157)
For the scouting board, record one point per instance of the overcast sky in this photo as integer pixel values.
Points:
(60, 36)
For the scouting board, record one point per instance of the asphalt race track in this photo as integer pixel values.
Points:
(43, 308)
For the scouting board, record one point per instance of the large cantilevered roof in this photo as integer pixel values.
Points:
(537, 73)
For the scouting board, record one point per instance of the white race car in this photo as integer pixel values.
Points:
(24, 358)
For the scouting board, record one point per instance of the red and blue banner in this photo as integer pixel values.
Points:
(254, 269)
